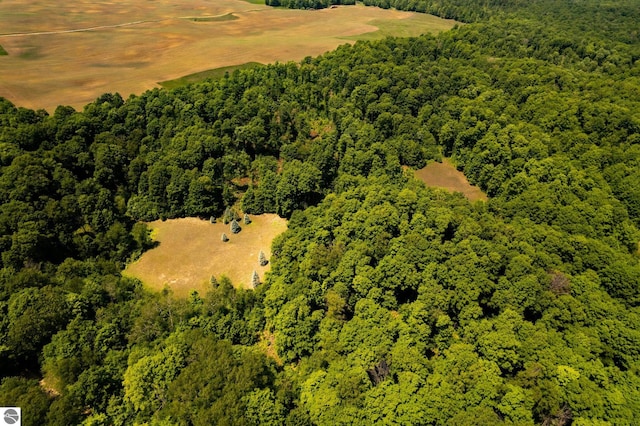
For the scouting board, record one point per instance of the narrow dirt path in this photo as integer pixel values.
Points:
(79, 30)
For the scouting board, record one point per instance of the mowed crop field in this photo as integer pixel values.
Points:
(445, 175)
(70, 53)
(190, 251)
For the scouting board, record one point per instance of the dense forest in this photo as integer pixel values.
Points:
(387, 302)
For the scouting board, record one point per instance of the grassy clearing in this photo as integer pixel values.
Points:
(201, 76)
(411, 26)
(221, 18)
(445, 175)
(190, 251)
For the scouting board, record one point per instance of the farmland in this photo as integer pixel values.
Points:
(84, 49)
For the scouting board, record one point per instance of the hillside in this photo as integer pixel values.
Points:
(387, 301)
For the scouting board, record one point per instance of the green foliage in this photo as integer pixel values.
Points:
(307, 4)
(27, 394)
(147, 379)
(33, 317)
(213, 73)
(448, 298)
(386, 301)
(298, 187)
(196, 379)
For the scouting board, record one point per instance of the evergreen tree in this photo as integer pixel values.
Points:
(235, 227)
(224, 237)
(255, 279)
(247, 220)
(262, 259)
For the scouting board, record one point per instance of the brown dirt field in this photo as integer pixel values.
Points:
(190, 251)
(71, 53)
(445, 175)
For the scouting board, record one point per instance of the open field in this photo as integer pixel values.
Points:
(203, 75)
(412, 26)
(445, 175)
(70, 53)
(190, 251)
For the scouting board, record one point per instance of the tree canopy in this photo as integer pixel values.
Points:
(387, 301)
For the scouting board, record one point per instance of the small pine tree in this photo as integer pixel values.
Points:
(224, 237)
(235, 227)
(247, 220)
(255, 279)
(262, 259)
(226, 217)
(212, 219)
(213, 281)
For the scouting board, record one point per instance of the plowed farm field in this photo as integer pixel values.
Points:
(69, 53)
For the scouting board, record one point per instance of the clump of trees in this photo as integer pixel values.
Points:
(307, 4)
(229, 215)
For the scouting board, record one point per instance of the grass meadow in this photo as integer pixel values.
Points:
(445, 175)
(203, 75)
(412, 26)
(190, 250)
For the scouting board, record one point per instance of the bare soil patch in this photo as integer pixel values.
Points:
(190, 251)
(445, 175)
(71, 53)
